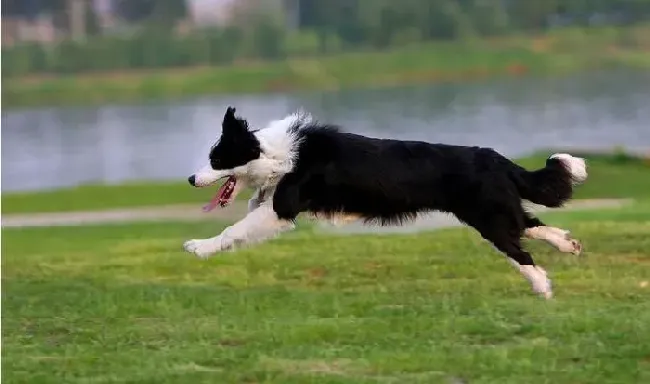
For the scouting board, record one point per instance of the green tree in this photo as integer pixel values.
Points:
(134, 10)
(92, 24)
(168, 12)
(532, 15)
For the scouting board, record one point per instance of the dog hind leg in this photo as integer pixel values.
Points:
(501, 223)
(557, 237)
(523, 262)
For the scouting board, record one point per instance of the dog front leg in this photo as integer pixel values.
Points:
(259, 225)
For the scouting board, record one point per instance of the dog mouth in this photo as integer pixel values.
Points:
(224, 196)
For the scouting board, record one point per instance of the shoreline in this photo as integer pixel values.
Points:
(615, 174)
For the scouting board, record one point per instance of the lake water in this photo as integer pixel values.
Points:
(58, 147)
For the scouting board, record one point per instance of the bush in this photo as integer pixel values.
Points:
(24, 60)
(301, 43)
(268, 40)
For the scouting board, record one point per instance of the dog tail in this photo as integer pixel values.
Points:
(552, 185)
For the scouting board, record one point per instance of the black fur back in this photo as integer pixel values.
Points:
(389, 181)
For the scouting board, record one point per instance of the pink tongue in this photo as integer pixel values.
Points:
(223, 195)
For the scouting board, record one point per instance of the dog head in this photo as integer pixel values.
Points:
(236, 148)
(258, 158)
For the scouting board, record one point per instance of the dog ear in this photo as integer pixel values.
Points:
(232, 124)
(230, 115)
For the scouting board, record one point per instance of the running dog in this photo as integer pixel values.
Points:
(298, 165)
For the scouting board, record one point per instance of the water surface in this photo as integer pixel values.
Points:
(59, 147)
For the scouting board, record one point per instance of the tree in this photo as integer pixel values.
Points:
(92, 23)
(134, 10)
(169, 12)
(165, 12)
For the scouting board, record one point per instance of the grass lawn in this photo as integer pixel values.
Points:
(610, 176)
(104, 304)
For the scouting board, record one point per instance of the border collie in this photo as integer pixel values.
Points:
(299, 165)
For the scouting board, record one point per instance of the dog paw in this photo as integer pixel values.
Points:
(576, 247)
(545, 290)
(202, 248)
(543, 285)
(564, 242)
(571, 245)
(539, 281)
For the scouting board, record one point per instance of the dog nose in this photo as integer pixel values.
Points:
(192, 180)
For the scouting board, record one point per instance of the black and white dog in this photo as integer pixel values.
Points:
(299, 165)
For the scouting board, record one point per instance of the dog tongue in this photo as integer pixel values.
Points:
(223, 196)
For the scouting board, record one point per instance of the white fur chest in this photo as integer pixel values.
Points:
(264, 172)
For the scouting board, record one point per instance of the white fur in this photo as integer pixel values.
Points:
(207, 176)
(559, 238)
(279, 148)
(260, 224)
(537, 278)
(575, 165)
(277, 142)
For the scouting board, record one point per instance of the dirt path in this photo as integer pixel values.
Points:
(238, 209)
(185, 212)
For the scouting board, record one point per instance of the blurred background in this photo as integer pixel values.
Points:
(109, 105)
(107, 92)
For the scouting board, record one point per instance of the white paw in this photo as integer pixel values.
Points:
(569, 244)
(544, 290)
(540, 283)
(574, 247)
(202, 248)
(562, 240)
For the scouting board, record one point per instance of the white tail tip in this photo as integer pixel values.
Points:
(575, 165)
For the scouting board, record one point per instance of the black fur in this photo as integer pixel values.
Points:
(237, 145)
(390, 181)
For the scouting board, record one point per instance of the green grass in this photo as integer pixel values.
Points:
(123, 304)
(610, 176)
(562, 51)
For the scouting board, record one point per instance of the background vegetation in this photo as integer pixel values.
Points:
(317, 44)
(320, 27)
